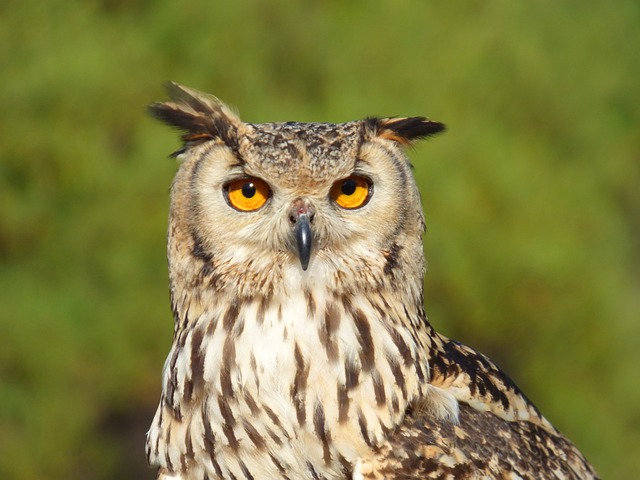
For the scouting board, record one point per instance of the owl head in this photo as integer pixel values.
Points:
(258, 206)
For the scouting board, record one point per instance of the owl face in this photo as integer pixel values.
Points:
(294, 198)
(300, 202)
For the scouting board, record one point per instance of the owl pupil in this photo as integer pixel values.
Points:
(348, 187)
(248, 190)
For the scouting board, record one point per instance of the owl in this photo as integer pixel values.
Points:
(301, 347)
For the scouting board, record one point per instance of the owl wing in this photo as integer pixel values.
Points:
(499, 433)
(481, 445)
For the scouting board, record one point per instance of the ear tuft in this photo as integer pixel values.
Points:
(199, 116)
(407, 129)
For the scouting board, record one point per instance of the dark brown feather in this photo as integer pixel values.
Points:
(199, 116)
(407, 129)
(481, 446)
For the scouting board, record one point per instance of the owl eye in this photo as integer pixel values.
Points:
(351, 192)
(247, 194)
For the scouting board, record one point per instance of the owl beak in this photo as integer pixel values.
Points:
(304, 239)
(301, 217)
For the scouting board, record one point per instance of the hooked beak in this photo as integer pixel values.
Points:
(304, 238)
(301, 217)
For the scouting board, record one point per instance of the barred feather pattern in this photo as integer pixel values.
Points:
(324, 385)
(307, 381)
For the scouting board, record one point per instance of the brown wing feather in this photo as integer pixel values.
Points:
(499, 433)
(480, 446)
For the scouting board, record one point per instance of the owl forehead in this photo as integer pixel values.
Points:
(294, 152)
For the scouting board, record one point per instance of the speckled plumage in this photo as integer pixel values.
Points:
(329, 370)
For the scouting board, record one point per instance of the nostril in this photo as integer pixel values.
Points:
(301, 208)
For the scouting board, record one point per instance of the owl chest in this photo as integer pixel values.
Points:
(286, 386)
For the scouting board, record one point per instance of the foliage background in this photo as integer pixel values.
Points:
(532, 197)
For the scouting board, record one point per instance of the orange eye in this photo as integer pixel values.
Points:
(247, 194)
(351, 192)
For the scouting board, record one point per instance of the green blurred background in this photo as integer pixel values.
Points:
(532, 197)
